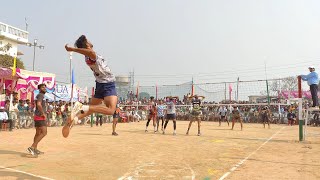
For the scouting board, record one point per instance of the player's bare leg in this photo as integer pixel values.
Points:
(190, 123)
(233, 122)
(199, 124)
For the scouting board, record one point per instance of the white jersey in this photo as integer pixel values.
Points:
(101, 70)
(171, 108)
(223, 111)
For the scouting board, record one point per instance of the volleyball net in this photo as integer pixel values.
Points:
(255, 91)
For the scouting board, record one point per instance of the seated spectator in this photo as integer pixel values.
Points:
(4, 118)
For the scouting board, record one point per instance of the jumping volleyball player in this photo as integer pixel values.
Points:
(105, 85)
(196, 113)
(152, 114)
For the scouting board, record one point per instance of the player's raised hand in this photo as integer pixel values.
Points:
(68, 48)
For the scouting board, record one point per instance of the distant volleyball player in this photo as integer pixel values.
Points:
(196, 113)
(160, 110)
(105, 85)
(152, 114)
(170, 115)
(223, 113)
(265, 113)
(235, 113)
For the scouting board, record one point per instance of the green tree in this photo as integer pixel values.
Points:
(6, 48)
(6, 60)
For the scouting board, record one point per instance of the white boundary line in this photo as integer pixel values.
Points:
(135, 173)
(42, 177)
(245, 159)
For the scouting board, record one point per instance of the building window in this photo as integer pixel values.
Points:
(10, 30)
(2, 27)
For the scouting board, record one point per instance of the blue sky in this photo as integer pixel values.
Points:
(171, 41)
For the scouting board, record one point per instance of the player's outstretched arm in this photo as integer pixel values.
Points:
(86, 52)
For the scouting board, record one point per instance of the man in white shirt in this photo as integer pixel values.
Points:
(4, 118)
(14, 114)
(170, 114)
(223, 113)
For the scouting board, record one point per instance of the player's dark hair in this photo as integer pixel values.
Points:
(81, 42)
(41, 85)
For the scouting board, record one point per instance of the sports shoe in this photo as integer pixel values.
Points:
(199, 134)
(76, 109)
(32, 152)
(163, 132)
(37, 151)
(145, 130)
(174, 133)
(115, 134)
(187, 133)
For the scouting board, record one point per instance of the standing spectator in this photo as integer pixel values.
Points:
(13, 114)
(64, 112)
(98, 119)
(29, 113)
(59, 116)
(7, 106)
(131, 96)
(128, 95)
(313, 80)
(22, 114)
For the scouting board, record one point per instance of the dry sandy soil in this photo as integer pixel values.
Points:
(219, 153)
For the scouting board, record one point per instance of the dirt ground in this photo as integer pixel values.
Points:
(92, 153)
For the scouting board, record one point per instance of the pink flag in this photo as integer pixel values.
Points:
(230, 88)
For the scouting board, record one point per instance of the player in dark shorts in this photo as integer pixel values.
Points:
(291, 116)
(39, 121)
(235, 113)
(105, 90)
(171, 114)
(223, 113)
(152, 114)
(196, 113)
(160, 114)
(265, 113)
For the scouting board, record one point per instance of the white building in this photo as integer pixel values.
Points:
(13, 36)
